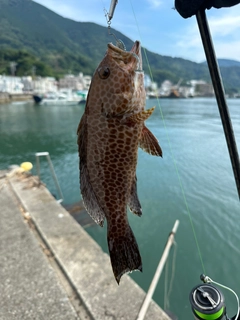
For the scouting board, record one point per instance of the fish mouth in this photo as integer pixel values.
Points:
(133, 57)
(136, 49)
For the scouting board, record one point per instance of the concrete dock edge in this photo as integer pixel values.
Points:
(29, 287)
(83, 262)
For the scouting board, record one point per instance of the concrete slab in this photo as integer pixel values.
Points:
(83, 261)
(29, 288)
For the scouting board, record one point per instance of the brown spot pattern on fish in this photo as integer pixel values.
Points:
(109, 134)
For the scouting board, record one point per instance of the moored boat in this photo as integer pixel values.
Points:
(63, 97)
(37, 98)
(83, 96)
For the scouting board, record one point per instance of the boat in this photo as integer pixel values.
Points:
(37, 98)
(83, 96)
(63, 97)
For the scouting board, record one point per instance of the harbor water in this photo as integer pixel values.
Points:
(193, 183)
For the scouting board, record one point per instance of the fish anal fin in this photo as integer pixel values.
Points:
(90, 200)
(149, 143)
(124, 253)
(133, 201)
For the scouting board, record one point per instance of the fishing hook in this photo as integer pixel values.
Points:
(109, 16)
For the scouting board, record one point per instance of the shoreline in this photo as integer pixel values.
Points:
(6, 97)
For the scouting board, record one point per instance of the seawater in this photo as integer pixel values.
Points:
(193, 183)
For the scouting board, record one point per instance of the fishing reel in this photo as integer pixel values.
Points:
(208, 303)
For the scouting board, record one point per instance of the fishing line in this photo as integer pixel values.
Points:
(167, 291)
(108, 16)
(165, 299)
(171, 151)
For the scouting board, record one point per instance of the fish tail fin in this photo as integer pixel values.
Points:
(124, 253)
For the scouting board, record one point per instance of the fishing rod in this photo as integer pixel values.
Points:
(186, 9)
(220, 94)
(112, 9)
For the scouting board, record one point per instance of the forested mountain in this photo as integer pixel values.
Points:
(34, 36)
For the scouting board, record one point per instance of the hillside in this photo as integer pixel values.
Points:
(58, 45)
(226, 63)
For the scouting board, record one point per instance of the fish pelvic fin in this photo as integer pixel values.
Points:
(90, 200)
(149, 143)
(124, 253)
(133, 201)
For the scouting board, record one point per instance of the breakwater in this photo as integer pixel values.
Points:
(6, 97)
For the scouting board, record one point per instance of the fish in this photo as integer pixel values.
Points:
(109, 133)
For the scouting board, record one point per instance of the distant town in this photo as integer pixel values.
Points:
(43, 85)
(193, 88)
(31, 85)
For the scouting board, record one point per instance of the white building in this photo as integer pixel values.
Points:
(201, 88)
(11, 84)
(27, 84)
(85, 81)
(79, 82)
(149, 84)
(43, 85)
(165, 88)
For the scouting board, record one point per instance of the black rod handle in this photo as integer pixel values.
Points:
(220, 94)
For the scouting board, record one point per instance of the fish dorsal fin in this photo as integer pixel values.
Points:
(133, 201)
(148, 142)
(89, 198)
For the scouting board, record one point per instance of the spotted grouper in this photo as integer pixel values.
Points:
(109, 134)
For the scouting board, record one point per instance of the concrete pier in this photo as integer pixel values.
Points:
(50, 268)
(7, 97)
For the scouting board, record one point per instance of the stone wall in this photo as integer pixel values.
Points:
(7, 98)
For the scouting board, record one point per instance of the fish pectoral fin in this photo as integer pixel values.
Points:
(89, 198)
(133, 201)
(149, 143)
(141, 116)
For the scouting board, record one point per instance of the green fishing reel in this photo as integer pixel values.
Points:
(208, 303)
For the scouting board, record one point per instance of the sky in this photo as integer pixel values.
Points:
(159, 26)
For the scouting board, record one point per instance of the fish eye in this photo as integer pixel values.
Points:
(103, 72)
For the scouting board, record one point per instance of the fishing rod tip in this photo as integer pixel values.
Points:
(203, 278)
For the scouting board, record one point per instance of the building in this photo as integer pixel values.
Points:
(45, 84)
(78, 83)
(201, 88)
(11, 84)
